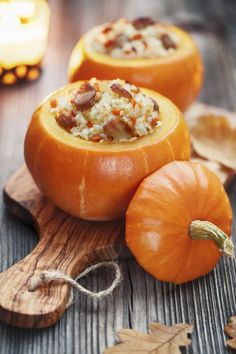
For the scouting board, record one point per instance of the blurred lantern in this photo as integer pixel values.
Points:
(24, 26)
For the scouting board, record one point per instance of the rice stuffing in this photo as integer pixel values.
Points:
(140, 38)
(112, 111)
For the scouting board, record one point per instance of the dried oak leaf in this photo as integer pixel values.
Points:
(215, 139)
(198, 109)
(161, 340)
(230, 329)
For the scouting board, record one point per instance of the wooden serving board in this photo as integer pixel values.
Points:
(65, 243)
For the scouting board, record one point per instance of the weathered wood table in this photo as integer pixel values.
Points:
(89, 325)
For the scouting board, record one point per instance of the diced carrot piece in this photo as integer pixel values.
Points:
(133, 120)
(89, 124)
(53, 103)
(116, 112)
(137, 36)
(109, 43)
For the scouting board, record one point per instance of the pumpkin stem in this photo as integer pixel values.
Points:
(205, 230)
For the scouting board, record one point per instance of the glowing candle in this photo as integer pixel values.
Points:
(24, 28)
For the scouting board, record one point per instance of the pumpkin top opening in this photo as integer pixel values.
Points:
(141, 38)
(169, 116)
(112, 111)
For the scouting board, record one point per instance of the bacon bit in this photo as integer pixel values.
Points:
(142, 22)
(134, 49)
(86, 87)
(127, 51)
(110, 138)
(89, 124)
(167, 42)
(133, 102)
(155, 105)
(117, 129)
(53, 103)
(116, 112)
(107, 29)
(85, 97)
(110, 43)
(137, 36)
(117, 88)
(66, 120)
(73, 113)
(96, 138)
(154, 122)
(133, 120)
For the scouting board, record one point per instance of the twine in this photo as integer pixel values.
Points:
(47, 276)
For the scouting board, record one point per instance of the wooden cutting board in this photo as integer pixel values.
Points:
(65, 243)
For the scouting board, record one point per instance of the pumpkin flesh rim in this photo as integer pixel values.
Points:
(83, 50)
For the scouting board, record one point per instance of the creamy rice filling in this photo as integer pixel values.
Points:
(113, 111)
(140, 38)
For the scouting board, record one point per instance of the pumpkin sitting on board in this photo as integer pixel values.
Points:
(178, 221)
(96, 181)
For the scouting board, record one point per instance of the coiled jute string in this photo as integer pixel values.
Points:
(47, 276)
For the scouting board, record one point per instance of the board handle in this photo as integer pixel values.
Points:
(67, 244)
(44, 306)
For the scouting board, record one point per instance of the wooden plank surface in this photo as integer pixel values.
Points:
(89, 325)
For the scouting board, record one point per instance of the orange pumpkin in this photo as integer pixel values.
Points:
(178, 221)
(96, 181)
(178, 76)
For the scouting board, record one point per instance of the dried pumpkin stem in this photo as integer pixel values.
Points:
(205, 230)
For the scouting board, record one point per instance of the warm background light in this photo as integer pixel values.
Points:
(23, 38)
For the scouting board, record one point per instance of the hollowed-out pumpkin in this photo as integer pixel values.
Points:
(96, 181)
(178, 221)
(177, 76)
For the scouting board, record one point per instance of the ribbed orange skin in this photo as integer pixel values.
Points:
(159, 215)
(178, 77)
(97, 184)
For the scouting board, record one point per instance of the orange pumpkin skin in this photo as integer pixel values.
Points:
(159, 216)
(96, 181)
(178, 76)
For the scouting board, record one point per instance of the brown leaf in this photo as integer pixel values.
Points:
(230, 329)
(213, 134)
(161, 340)
(198, 109)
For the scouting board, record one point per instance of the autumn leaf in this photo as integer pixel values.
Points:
(230, 329)
(213, 134)
(161, 340)
(198, 109)
(215, 139)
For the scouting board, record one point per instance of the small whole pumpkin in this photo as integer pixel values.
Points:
(178, 221)
(96, 181)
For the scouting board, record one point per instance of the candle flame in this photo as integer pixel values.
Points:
(23, 33)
